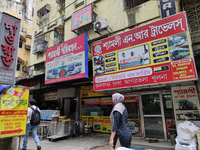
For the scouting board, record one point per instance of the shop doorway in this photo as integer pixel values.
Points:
(152, 116)
(69, 108)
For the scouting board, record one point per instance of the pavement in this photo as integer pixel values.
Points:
(97, 141)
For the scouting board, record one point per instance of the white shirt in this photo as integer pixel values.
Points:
(30, 113)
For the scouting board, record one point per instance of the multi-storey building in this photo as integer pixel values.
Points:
(77, 49)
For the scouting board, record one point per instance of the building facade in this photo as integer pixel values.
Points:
(67, 62)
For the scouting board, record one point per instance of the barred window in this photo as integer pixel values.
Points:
(192, 8)
(43, 11)
(132, 3)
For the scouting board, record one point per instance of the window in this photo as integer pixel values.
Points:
(20, 43)
(18, 66)
(132, 3)
(43, 11)
(58, 35)
(192, 9)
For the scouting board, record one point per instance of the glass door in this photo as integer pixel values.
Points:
(153, 123)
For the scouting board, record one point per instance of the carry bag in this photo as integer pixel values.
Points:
(35, 116)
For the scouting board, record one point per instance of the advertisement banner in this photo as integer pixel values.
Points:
(135, 127)
(186, 103)
(106, 101)
(81, 17)
(13, 111)
(105, 124)
(159, 52)
(93, 120)
(9, 41)
(67, 61)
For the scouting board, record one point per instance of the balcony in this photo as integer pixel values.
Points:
(40, 45)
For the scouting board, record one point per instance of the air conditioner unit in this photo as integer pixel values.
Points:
(25, 69)
(99, 25)
(28, 47)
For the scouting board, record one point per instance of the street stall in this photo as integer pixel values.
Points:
(60, 127)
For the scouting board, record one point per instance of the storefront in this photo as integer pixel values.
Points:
(150, 114)
(145, 64)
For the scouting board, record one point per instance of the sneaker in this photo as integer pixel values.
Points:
(39, 148)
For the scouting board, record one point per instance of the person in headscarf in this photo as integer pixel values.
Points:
(120, 128)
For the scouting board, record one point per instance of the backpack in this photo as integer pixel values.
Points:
(35, 116)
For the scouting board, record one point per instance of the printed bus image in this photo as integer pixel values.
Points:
(180, 53)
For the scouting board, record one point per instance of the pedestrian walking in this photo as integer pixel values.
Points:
(120, 128)
(32, 124)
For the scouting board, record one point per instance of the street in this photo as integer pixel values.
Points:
(72, 143)
(94, 142)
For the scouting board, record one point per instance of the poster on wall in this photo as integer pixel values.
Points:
(135, 127)
(67, 61)
(186, 103)
(159, 52)
(13, 110)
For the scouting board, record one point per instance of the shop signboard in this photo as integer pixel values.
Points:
(156, 53)
(92, 101)
(33, 85)
(9, 41)
(67, 61)
(167, 8)
(13, 110)
(186, 103)
(131, 99)
(51, 96)
(81, 17)
(87, 91)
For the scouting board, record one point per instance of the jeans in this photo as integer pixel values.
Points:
(33, 129)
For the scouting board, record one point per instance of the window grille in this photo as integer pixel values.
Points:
(132, 3)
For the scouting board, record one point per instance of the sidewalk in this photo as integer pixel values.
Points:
(93, 142)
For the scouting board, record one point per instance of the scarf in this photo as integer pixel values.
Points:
(118, 106)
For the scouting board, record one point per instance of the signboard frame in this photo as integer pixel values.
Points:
(82, 17)
(155, 40)
(9, 42)
(13, 110)
(186, 103)
(67, 61)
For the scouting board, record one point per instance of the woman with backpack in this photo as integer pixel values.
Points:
(33, 120)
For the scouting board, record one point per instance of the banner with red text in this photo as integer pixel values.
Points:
(13, 110)
(9, 44)
(159, 52)
(67, 61)
(186, 103)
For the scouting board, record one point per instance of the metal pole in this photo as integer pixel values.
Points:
(19, 142)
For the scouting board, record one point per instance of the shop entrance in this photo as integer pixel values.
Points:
(153, 116)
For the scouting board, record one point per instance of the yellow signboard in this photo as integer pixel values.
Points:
(13, 111)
